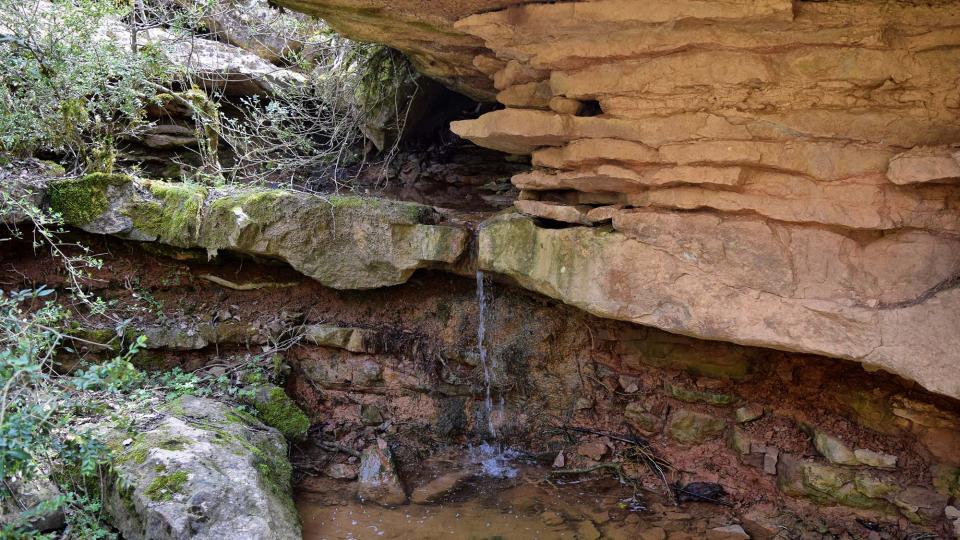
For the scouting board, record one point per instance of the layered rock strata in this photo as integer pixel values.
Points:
(768, 172)
(763, 172)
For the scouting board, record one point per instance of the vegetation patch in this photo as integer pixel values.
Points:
(82, 200)
(172, 215)
(277, 410)
(164, 487)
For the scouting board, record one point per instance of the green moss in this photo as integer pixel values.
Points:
(696, 396)
(276, 409)
(164, 487)
(54, 168)
(136, 453)
(82, 200)
(239, 416)
(174, 214)
(173, 443)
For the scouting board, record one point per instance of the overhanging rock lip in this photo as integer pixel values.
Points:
(514, 246)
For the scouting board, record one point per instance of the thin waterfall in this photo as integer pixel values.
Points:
(481, 346)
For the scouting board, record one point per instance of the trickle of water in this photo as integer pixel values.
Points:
(482, 349)
(495, 461)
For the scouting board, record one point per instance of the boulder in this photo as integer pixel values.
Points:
(736, 279)
(377, 479)
(200, 469)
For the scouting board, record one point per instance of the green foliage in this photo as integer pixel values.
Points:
(61, 90)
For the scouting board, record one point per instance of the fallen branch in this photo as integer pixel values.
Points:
(584, 470)
(334, 447)
(246, 286)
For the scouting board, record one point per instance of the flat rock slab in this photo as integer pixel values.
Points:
(342, 242)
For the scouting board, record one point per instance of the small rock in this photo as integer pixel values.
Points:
(739, 441)
(834, 449)
(951, 512)
(770, 458)
(583, 404)
(586, 530)
(656, 533)
(875, 459)
(371, 415)
(698, 396)
(342, 471)
(637, 415)
(689, 427)
(378, 479)
(551, 519)
(440, 486)
(629, 385)
(594, 450)
(559, 461)
(730, 532)
(749, 413)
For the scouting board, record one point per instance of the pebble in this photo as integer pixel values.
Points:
(551, 519)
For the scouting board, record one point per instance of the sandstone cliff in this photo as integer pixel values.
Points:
(758, 171)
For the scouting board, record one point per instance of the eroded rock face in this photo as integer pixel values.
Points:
(748, 281)
(423, 29)
(342, 242)
(202, 470)
(802, 199)
(775, 173)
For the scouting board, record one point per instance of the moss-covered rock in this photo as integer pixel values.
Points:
(946, 480)
(831, 485)
(343, 242)
(691, 427)
(81, 201)
(200, 470)
(164, 487)
(276, 409)
(172, 214)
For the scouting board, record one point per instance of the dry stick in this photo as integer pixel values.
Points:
(591, 468)
(334, 447)
(247, 286)
(655, 463)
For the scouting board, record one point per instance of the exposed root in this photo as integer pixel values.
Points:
(246, 286)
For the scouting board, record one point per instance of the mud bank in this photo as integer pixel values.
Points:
(791, 438)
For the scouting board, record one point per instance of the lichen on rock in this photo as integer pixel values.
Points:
(199, 470)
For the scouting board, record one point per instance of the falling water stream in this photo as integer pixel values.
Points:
(482, 349)
(493, 458)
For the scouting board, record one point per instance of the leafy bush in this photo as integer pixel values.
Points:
(63, 90)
